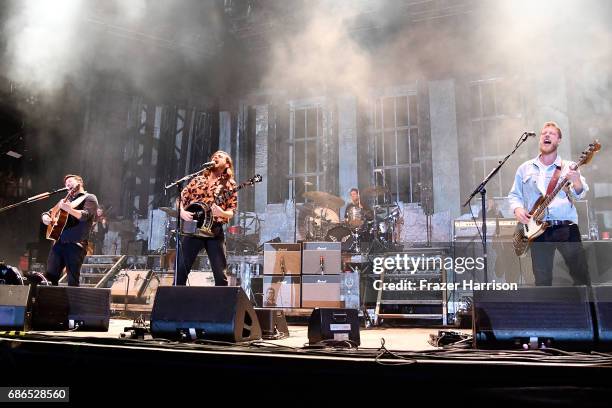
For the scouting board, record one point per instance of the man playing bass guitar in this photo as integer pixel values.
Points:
(204, 189)
(69, 225)
(536, 178)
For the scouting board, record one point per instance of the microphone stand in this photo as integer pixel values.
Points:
(483, 192)
(179, 183)
(32, 199)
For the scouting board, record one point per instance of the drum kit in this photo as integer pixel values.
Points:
(361, 225)
(243, 237)
(10, 275)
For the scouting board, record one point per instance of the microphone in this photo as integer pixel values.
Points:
(322, 264)
(208, 165)
(532, 134)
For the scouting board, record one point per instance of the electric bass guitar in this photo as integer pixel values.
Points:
(201, 226)
(525, 233)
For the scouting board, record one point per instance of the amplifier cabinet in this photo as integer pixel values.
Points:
(282, 259)
(321, 291)
(281, 291)
(321, 258)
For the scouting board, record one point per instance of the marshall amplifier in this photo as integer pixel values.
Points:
(321, 291)
(321, 258)
(282, 259)
(340, 325)
(281, 291)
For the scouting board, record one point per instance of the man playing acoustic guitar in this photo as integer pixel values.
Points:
(70, 223)
(539, 177)
(205, 188)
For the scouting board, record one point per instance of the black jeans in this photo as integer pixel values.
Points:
(566, 239)
(68, 255)
(215, 248)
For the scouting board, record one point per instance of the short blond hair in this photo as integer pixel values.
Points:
(552, 124)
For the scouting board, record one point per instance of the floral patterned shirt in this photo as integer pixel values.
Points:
(198, 190)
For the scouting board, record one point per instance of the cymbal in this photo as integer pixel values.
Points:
(170, 211)
(374, 190)
(324, 199)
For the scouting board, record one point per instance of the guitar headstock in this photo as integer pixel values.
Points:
(256, 179)
(588, 154)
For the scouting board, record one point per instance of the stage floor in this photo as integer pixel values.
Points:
(396, 338)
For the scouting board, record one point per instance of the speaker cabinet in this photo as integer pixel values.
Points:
(321, 258)
(273, 323)
(282, 259)
(15, 307)
(281, 291)
(333, 324)
(189, 313)
(602, 297)
(534, 317)
(68, 308)
(321, 291)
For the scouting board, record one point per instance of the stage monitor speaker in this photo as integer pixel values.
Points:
(321, 258)
(70, 308)
(282, 259)
(534, 317)
(189, 313)
(15, 307)
(333, 324)
(273, 323)
(602, 299)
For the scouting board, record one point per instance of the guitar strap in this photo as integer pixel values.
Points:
(78, 201)
(553, 181)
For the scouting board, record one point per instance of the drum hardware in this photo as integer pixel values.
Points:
(9, 275)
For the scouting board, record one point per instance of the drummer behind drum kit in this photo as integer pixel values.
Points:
(322, 223)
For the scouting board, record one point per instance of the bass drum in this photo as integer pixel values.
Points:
(9, 275)
(341, 234)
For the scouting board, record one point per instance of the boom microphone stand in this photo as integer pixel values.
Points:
(32, 199)
(481, 190)
(179, 183)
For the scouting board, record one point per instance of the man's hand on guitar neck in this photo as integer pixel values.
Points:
(574, 177)
(522, 215)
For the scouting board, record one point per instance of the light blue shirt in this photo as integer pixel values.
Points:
(531, 181)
